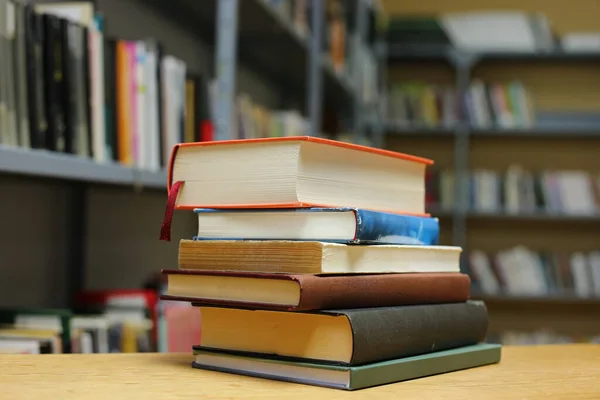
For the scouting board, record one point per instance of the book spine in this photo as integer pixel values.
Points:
(318, 293)
(394, 332)
(374, 227)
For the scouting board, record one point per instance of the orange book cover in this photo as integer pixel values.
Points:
(124, 134)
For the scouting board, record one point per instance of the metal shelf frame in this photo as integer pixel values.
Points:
(463, 64)
(323, 85)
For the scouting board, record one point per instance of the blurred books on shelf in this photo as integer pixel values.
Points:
(514, 191)
(517, 192)
(422, 105)
(70, 88)
(119, 321)
(502, 105)
(520, 271)
(256, 121)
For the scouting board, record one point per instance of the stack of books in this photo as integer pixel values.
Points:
(314, 262)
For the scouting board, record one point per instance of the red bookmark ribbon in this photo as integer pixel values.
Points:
(165, 228)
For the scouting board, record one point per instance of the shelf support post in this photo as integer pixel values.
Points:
(461, 161)
(226, 33)
(314, 70)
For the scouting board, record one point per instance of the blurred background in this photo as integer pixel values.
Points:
(503, 95)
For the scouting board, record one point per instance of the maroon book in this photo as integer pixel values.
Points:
(305, 292)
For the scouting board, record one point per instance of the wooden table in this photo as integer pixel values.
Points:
(542, 372)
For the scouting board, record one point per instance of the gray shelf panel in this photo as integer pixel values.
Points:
(449, 54)
(47, 164)
(557, 131)
(394, 129)
(535, 216)
(522, 216)
(151, 179)
(549, 299)
(555, 55)
(419, 53)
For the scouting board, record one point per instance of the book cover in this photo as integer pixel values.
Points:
(351, 378)
(371, 227)
(348, 336)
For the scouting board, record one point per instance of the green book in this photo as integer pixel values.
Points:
(51, 317)
(350, 378)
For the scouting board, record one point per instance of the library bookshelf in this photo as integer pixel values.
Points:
(563, 136)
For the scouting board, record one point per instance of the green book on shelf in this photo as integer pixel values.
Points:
(59, 319)
(350, 378)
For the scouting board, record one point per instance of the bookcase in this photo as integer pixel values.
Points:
(563, 136)
(78, 224)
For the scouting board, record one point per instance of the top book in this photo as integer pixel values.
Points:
(295, 172)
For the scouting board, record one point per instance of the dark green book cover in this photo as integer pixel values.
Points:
(351, 378)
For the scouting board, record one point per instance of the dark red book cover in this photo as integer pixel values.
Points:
(321, 292)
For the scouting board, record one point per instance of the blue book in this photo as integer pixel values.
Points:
(339, 225)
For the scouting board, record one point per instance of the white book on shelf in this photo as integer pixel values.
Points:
(513, 31)
(581, 41)
(19, 346)
(96, 57)
(173, 102)
(481, 265)
(8, 42)
(512, 178)
(152, 108)
(581, 275)
(140, 99)
(522, 272)
(594, 263)
(576, 192)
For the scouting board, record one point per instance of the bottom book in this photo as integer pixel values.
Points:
(351, 378)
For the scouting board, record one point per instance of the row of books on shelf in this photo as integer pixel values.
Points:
(70, 87)
(520, 271)
(109, 321)
(516, 190)
(485, 105)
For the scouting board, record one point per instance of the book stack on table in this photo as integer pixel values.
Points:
(315, 262)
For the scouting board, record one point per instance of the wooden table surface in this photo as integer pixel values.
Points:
(539, 372)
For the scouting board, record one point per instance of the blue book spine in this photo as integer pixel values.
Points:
(372, 227)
